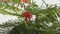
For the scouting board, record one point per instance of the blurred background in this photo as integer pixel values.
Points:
(46, 17)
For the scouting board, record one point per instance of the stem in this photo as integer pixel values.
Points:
(45, 4)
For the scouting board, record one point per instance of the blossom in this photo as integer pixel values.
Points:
(33, 17)
(25, 1)
(27, 15)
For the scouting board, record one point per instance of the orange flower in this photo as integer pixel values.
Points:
(27, 16)
(26, 1)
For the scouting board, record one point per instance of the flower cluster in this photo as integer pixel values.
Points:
(27, 15)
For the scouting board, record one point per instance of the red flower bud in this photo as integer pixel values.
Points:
(27, 15)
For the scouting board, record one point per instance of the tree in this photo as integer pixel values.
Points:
(47, 20)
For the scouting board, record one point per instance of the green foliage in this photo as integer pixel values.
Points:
(46, 22)
(17, 1)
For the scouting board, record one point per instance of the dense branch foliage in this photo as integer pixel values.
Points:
(47, 20)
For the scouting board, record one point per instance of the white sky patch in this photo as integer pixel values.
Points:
(4, 18)
(57, 2)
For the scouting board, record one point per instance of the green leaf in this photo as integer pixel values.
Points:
(8, 13)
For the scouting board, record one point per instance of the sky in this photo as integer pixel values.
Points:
(4, 18)
(57, 2)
